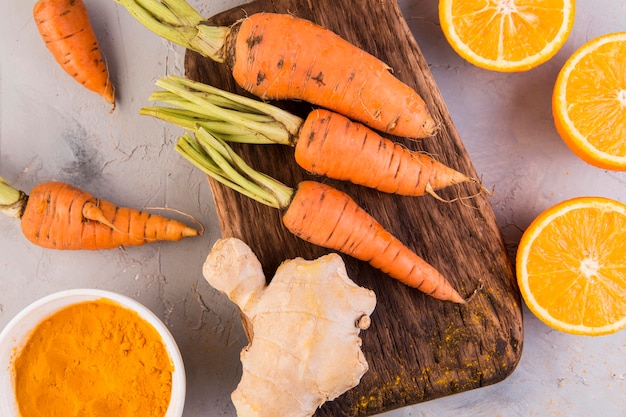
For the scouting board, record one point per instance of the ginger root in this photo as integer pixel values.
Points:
(303, 329)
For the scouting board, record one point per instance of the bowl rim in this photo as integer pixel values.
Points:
(69, 297)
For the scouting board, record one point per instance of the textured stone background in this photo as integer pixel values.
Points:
(51, 129)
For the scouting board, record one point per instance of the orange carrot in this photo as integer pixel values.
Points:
(319, 214)
(326, 143)
(59, 216)
(66, 29)
(325, 216)
(280, 56)
(324, 69)
(330, 144)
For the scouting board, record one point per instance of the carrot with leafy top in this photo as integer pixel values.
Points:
(318, 214)
(65, 27)
(322, 141)
(280, 56)
(59, 216)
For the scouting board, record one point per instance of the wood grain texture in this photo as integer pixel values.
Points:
(418, 348)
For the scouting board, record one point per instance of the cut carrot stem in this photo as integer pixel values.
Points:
(59, 216)
(319, 214)
(12, 200)
(318, 67)
(65, 27)
(321, 141)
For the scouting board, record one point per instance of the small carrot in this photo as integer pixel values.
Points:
(65, 27)
(326, 138)
(327, 217)
(318, 214)
(317, 66)
(321, 141)
(59, 216)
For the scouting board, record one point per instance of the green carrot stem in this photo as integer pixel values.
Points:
(178, 22)
(215, 158)
(211, 108)
(190, 121)
(238, 128)
(12, 201)
(258, 122)
(184, 11)
(194, 153)
(179, 17)
(176, 100)
(292, 122)
(219, 103)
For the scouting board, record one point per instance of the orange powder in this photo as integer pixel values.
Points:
(93, 359)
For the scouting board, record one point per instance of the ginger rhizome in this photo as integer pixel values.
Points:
(303, 328)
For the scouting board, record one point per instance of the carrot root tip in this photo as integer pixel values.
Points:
(187, 231)
(482, 189)
(430, 127)
(430, 190)
(91, 211)
(474, 293)
(190, 232)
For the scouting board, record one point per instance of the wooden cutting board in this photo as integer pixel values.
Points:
(417, 348)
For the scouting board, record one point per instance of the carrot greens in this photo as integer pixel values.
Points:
(180, 23)
(230, 116)
(219, 161)
(12, 200)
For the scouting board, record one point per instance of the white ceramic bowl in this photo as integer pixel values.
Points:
(15, 335)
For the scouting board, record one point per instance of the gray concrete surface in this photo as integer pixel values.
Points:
(51, 129)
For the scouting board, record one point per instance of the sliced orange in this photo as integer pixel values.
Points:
(506, 35)
(589, 102)
(571, 266)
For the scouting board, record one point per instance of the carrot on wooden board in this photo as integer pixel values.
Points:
(57, 215)
(280, 56)
(319, 214)
(65, 27)
(326, 138)
(321, 141)
(327, 217)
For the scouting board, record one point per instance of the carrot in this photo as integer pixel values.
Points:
(318, 66)
(65, 27)
(326, 139)
(321, 141)
(318, 214)
(60, 216)
(327, 217)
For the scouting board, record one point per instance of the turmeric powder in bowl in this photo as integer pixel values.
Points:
(94, 358)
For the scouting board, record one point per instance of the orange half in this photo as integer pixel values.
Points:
(571, 266)
(589, 102)
(506, 35)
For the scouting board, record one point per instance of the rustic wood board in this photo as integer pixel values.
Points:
(418, 348)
